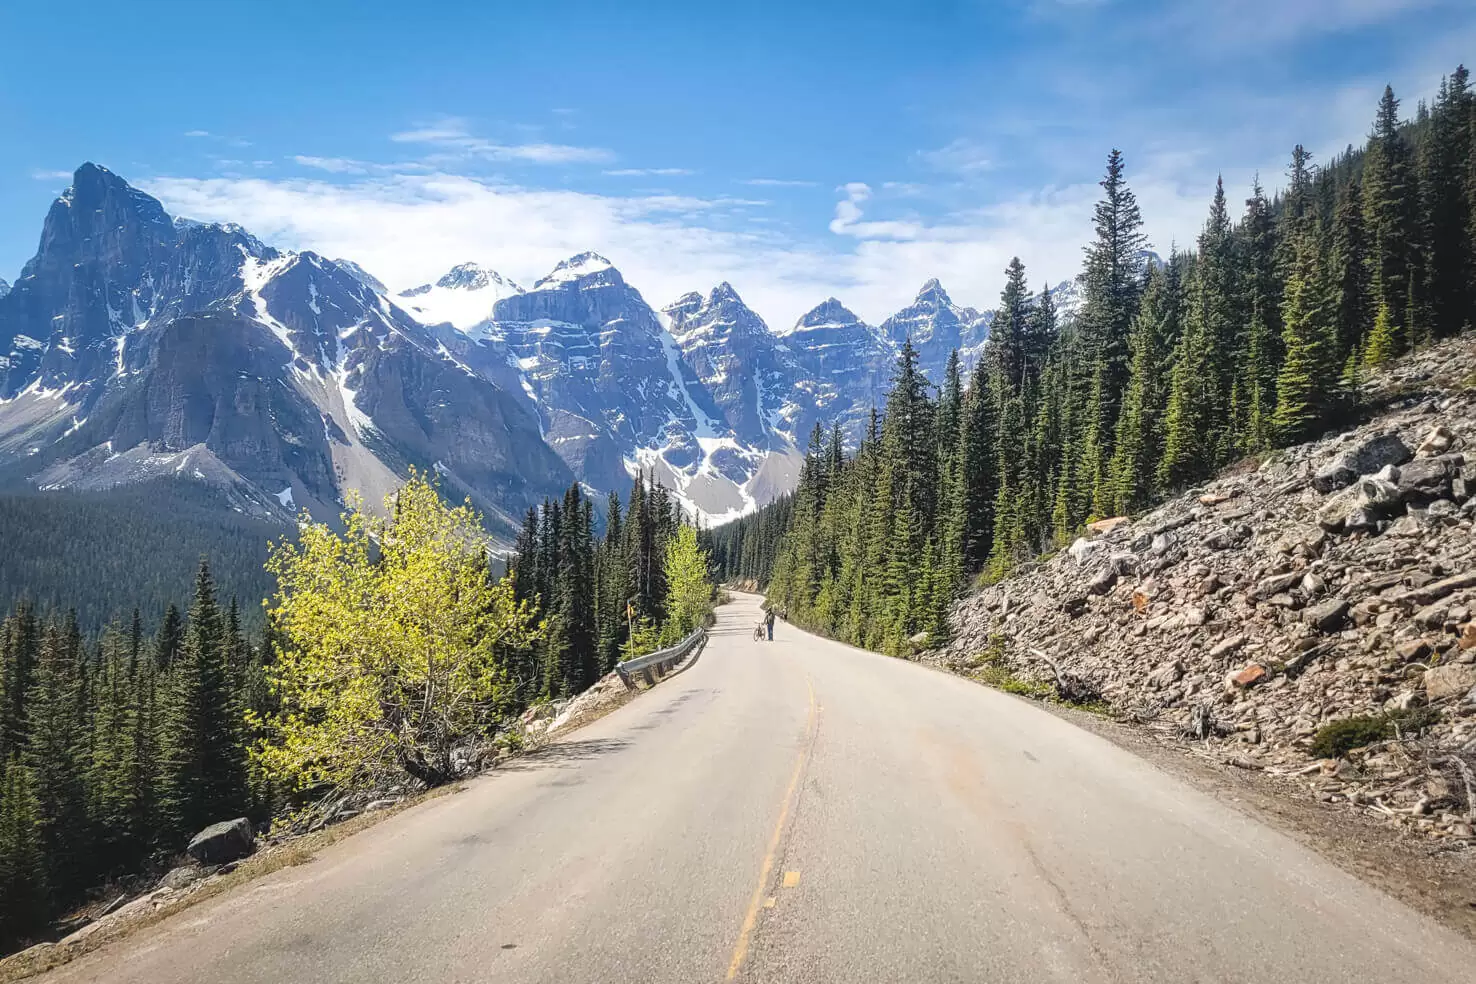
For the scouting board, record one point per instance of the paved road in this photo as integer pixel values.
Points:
(803, 812)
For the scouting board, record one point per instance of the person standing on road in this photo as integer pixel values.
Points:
(769, 623)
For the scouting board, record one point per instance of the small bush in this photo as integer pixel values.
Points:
(1001, 678)
(1338, 738)
(1411, 721)
(1341, 737)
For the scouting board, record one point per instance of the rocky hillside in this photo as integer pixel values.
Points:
(1313, 616)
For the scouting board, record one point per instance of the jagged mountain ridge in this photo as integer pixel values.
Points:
(139, 345)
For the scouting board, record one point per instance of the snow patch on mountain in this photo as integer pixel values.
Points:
(574, 268)
(463, 298)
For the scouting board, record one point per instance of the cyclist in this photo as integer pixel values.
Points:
(769, 623)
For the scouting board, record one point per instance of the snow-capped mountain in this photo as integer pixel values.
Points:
(463, 298)
(361, 275)
(845, 365)
(735, 355)
(936, 326)
(137, 346)
(4, 287)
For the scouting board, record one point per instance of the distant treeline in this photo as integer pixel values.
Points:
(100, 553)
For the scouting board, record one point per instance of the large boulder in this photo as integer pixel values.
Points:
(224, 841)
(1449, 681)
(1426, 478)
(1365, 457)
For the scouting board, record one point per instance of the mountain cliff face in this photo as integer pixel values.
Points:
(135, 344)
(138, 345)
(937, 327)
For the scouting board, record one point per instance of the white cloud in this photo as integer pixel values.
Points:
(777, 183)
(452, 133)
(333, 165)
(848, 213)
(639, 172)
(197, 133)
(961, 156)
(411, 228)
(43, 175)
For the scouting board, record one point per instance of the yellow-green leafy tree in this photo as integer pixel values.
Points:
(390, 638)
(688, 588)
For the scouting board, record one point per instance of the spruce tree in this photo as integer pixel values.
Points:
(1306, 385)
(1113, 284)
(54, 754)
(1445, 159)
(1389, 208)
(25, 901)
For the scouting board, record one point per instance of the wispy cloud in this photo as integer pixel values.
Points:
(778, 183)
(197, 133)
(961, 156)
(641, 172)
(453, 133)
(39, 174)
(333, 165)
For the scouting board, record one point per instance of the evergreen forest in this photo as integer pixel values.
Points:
(387, 646)
(1256, 338)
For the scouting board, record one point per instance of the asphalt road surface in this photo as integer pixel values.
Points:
(800, 811)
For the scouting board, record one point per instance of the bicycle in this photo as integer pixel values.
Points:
(758, 632)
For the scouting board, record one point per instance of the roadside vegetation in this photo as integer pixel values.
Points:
(397, 656)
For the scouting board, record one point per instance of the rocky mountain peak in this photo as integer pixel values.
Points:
(463, 297)
(723, 293)
(932, 291)
(4, 287)
(468, 276)
(362, 276)
(578, 267)
(829, 312)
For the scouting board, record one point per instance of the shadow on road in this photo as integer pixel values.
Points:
(563, 754)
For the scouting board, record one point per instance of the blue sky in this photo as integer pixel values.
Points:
(798, 150)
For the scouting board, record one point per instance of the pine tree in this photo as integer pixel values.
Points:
(56, 736)
(1383, 339)
(20, 645)
(1139, 429)
(202, 772)
(1389, 208)
(1349, 270)
(1445, 159)
(1306, 384)
(1113, 284)
(24, 899)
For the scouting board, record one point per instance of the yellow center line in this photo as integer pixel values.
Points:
(740, 951)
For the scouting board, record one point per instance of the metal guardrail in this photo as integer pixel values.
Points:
(653, 666)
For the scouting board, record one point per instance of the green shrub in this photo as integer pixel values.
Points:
(1338, 738)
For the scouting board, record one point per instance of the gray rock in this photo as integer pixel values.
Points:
(222, 842)
(1425, 478)
(1379, 494)
(1276, 584)
(183, 876)
(1082, 549)
(1227, 646)
(1327, 616)
(1103, 582)
(1449, 681)
(1367, 456)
